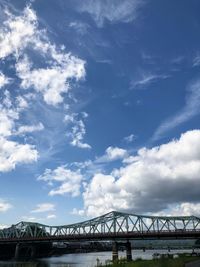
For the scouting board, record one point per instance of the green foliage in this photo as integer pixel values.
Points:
(179, 262)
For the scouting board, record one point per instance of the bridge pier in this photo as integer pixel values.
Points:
(17, 249)
(128, 251)
(33, 252)
(114, 251)
(23, 251)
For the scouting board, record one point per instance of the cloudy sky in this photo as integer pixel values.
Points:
(99, 108)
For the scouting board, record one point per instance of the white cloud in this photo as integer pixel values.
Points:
(17, 32)
(7, 118)
(80, 27)
(4, 205)
(21, 32)
(70, 181)
(181, 209)
(44, 207)
(146, 79)
(6, 101)
(51, 216)
(30, 219)
(90, 167)
(20, 37)
(37, 219)
(3, 80)
(196, 60)
(191, 108)
(78, 130)
(153, 180)
(130, 138)
(10, 110)
(187, 209)
(75, 211)
(114, 11)
(30, 128)
(13, 153)
(3, 226)
(52, 81)
(112, 154)
(21, 102)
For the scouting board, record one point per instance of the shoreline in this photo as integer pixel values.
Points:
(181, 260)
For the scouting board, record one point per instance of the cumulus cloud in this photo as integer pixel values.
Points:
(155, 178)
(75, 211)
(13, 153)
(44, 207)
(4, 205)
(21, 102)
(191, 108)
(7, 118)
(3, 80)
(17, 32)
(114, 11)
(69, 181)
(20, 33)
(52, 81)
(52, 77)
(30, 128)
(78, 130)
(115, 153)
(90, 167)
(185, 208)
(112, 154)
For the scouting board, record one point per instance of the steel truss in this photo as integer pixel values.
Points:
(110, 223)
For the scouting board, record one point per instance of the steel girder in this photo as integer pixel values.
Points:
(110, 223)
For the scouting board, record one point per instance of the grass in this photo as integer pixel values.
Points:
(178, 262)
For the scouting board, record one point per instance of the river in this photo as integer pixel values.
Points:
(83, 259)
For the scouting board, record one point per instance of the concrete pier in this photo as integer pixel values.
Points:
(128, 251)
(114, 251)
(30, 251)
(17, 250)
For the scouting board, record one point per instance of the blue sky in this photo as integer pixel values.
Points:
(99, 110)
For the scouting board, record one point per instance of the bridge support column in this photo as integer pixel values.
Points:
(114, 251)
(17, 248)
(128, 251)
(33, 252)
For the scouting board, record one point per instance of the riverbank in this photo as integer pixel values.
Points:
(177, 262)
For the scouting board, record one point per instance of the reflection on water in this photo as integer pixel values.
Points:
(82, 259)
(23, 264)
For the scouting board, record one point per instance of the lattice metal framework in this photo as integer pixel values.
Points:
(110, 223)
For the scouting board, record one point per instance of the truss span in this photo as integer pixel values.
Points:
(111, 225)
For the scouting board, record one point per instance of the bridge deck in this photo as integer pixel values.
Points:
(108, 236)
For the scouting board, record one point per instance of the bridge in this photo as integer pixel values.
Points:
(114, 226)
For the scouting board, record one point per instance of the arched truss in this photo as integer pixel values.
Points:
(113, 224)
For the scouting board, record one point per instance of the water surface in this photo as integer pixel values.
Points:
(83, 259)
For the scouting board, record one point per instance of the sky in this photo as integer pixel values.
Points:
(99, 109)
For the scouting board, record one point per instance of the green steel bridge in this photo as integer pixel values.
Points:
(113, 226)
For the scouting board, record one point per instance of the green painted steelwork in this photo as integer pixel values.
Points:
(112, 222)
